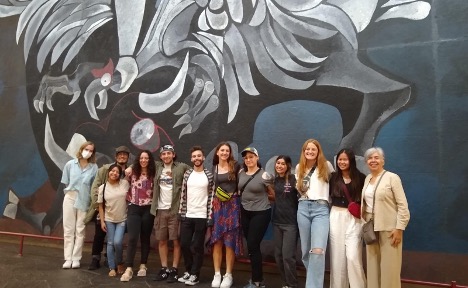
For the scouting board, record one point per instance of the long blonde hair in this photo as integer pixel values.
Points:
(320, 163)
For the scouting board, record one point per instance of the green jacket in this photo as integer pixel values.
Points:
(178, 170)
(101, 178)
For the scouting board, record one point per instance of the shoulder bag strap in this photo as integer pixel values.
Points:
(346, 191)
(250, 179)
(375, 189)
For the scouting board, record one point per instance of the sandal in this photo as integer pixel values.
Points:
(112, 273)
(120, 269)
(142, 271)
(127, 275)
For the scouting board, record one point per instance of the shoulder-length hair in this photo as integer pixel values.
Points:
(91, 159)
(151, 165)
(232, 173)
(112, 166)
(320, 163)
(354, 172)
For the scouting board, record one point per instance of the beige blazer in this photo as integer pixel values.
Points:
(391, 208)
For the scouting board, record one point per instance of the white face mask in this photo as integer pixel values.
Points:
(86, 154)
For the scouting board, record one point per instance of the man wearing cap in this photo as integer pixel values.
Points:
(121, 158)
(165, 207)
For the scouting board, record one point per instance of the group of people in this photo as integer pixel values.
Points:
(195, 207)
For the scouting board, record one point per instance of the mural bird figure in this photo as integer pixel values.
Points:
(216, 43)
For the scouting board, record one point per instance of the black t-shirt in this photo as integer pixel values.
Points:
(337, 194)
(285, 211)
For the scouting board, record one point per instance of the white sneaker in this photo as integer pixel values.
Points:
(216, 280)
(67, 264)
(227, 281)
(193, 280)
(184, 278)
(75, 264)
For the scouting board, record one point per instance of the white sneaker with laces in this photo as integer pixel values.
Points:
(227, 281)
(184, 278)
(216, 280)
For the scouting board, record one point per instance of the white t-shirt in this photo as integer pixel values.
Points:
(115, 210)
(197, 195)
(165, 187)
(318, 189)
(369, 197)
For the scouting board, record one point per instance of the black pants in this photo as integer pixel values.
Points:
(99, 237)
(139, 225)
(192, 238)
(254, 226)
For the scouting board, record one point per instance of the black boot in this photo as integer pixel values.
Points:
(94, 264)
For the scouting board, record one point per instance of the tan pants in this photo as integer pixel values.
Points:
(384, 263)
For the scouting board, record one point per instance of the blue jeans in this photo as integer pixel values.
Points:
(115, 234)
(313, 219)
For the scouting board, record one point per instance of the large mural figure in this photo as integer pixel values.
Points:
(186, 71)
(272, 73)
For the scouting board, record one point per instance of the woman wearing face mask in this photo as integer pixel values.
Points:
(78, 175)
(113, 213)
(285, 221)
(313, 213)
(345, 229)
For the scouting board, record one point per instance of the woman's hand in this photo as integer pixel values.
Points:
(103, 226)
(396, 236)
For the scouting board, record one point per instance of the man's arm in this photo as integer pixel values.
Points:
(98, 181)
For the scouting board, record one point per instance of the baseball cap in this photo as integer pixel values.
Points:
(122, 149)
(167, 147)
(251, 150)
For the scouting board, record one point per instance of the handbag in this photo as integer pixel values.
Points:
(368, 233)
(353, 207)
(220, 193)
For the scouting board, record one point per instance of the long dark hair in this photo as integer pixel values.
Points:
(231, 162)
(354, 174)
(288, 162)
(151, 165)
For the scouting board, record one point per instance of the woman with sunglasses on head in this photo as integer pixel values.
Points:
(346, 229)
(113, 214)
(285, 221)
(226, 229)
(139, 219)
(312, 174)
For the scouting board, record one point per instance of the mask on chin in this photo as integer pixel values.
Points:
(86, 154)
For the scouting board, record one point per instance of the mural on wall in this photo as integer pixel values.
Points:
(145, 73)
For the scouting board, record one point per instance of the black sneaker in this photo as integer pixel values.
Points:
(162, 275)
(173, 276)
(193, 280)
(94, 264)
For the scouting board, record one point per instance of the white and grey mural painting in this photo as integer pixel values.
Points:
(266, 72)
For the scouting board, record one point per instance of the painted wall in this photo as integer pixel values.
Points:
(269, 73)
